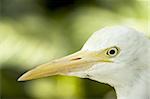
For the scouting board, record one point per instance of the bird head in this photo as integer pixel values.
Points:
(110, 55)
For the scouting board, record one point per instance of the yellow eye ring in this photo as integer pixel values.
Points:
(112, 52)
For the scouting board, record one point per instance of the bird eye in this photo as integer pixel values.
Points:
(112, 51)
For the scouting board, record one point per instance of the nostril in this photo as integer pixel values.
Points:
(76, 59)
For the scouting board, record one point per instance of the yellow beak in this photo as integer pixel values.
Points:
(72, 63)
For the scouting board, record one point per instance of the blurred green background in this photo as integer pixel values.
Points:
(36, 31)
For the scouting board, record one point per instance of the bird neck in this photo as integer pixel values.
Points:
(139, 89)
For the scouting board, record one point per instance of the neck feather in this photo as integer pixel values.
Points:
(139, 89)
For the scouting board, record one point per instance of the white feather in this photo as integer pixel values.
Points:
(130, 72)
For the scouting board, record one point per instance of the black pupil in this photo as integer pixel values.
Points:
(112, 52)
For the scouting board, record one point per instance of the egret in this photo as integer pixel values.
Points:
(117, 55)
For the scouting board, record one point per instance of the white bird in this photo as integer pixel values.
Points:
(118, 56)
